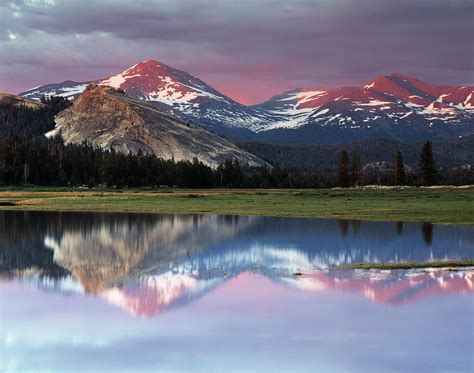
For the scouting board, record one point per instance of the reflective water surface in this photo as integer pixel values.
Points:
(110, 292)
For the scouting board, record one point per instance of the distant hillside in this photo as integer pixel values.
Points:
(320, 157)
(14, 100)
(23, 118)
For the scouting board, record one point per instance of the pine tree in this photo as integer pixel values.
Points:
(238, 175)
(220, 175)
(427, 165)
(26, 173)
(356, 169)
(343, 178)
(399, 170)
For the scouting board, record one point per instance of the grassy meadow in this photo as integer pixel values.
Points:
(447, 205)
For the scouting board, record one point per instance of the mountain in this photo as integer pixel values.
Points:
(172, 90)
(109, 118)
(394, 106)
(397, 107)
(68, 89)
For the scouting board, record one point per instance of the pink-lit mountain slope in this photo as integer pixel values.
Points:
(393, 106)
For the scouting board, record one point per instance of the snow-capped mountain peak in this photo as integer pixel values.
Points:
(394, 106)
(151, 80)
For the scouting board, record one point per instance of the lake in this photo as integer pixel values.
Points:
(136, 292)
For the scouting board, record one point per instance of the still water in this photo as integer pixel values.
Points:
(124, 292)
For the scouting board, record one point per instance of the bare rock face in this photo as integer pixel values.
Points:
(109, 118)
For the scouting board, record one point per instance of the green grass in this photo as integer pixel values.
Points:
(411, 265)
(447, 205)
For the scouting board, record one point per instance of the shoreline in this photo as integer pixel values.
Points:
(446, 205)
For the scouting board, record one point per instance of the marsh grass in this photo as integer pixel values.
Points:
(411, 265)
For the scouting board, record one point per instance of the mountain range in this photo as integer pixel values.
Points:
(395, 106)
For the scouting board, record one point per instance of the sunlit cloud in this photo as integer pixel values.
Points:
(251, 50)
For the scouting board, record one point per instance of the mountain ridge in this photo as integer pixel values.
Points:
(393, 106)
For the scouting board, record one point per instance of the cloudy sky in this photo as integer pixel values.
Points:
(247, 49)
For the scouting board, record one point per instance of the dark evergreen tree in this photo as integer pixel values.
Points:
(343, 178)
(427, 165)
(278, 175)
(220, 175)
(263, 178)
(399, 170)
(20, 121)
(238, 175)
(356, 169)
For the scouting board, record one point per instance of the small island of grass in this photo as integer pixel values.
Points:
(412, 265)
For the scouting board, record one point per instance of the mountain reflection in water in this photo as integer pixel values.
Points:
(146, 264)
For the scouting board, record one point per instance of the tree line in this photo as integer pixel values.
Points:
(22, 122)
(28, 157)
(351, 174)
(53, 163)
(50, 162)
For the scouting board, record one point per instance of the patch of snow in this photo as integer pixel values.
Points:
(53, 132)
(371, 85)
(466, 102)
(406, 115)
(204, 93)
(114, 81)
(71, 91)
(372, 103)
(303, 96)
(334, 117)
(412, 105)
(171, 97)
(322, 112)
(440, 98)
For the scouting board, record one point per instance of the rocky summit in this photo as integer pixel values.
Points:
(109, 118)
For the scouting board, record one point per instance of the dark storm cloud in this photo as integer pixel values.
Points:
(248, 49)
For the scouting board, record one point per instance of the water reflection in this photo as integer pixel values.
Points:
(127, 243)
(399, 227)
(427, 232)
(343, 226)
(139, 292)
(150, 295)
(148, 263)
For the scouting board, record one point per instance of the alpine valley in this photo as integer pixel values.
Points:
(395, 107)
